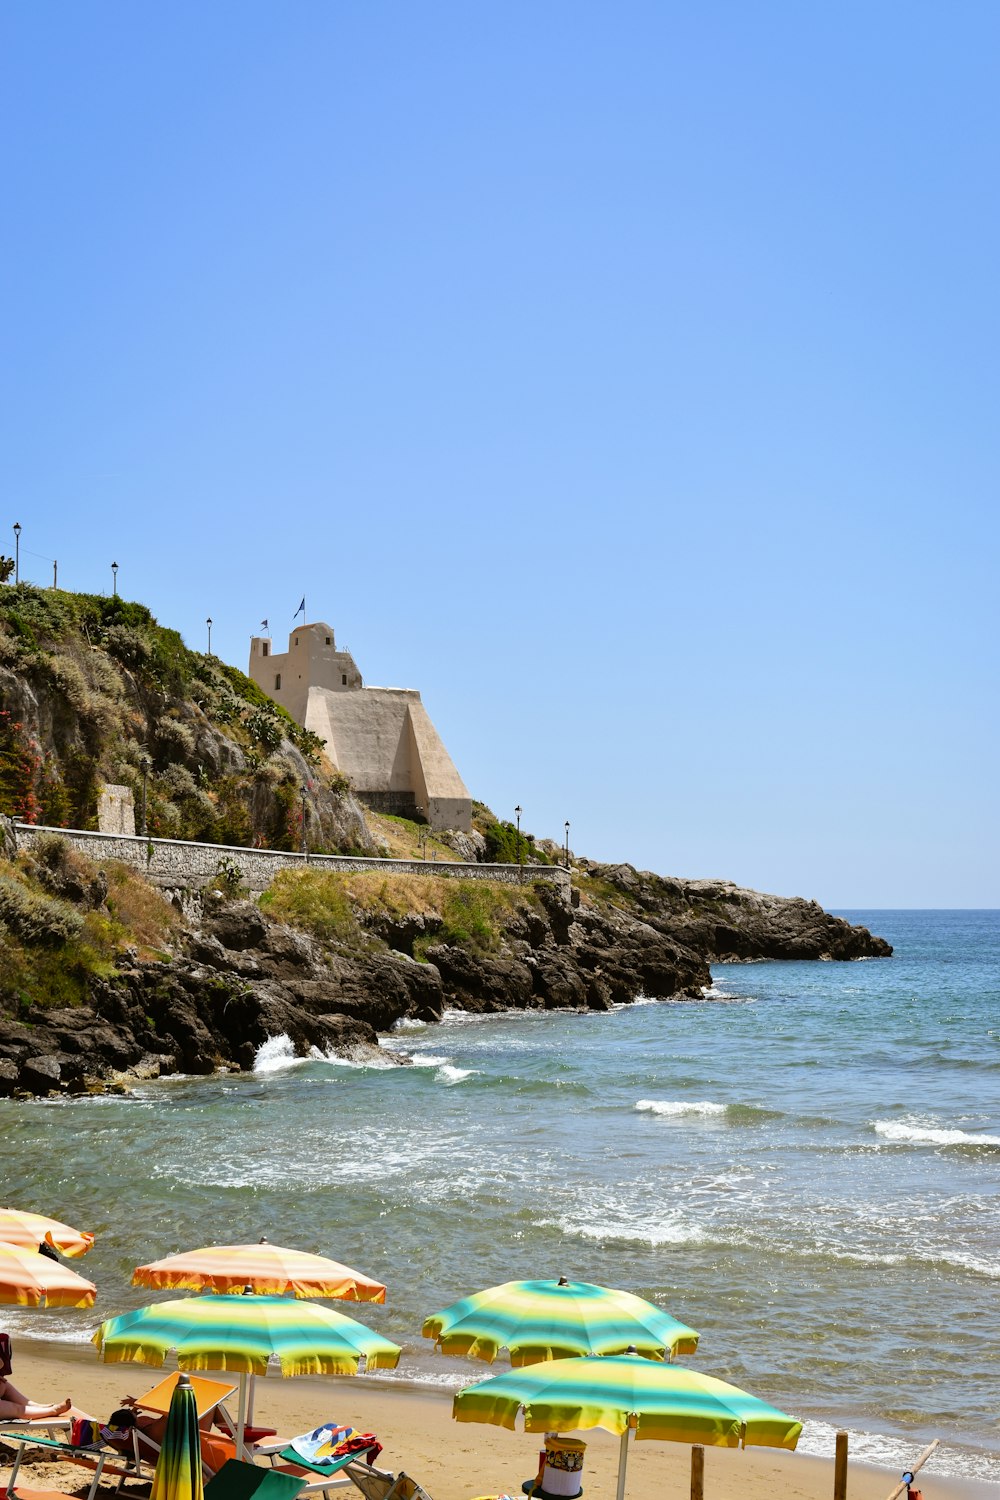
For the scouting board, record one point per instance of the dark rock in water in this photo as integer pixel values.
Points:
(41, 1075)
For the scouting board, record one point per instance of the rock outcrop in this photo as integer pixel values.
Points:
(727, 923)
(239, 978)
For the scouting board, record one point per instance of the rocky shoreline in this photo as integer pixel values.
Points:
(236, 977)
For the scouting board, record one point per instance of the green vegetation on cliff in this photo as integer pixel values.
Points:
(64, 922)
(93, 689)
(347, 908)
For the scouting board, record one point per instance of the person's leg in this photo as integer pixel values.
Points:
(29, 1411)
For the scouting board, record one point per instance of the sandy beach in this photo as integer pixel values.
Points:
(457, 1461)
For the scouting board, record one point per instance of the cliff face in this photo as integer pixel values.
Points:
(331, 960)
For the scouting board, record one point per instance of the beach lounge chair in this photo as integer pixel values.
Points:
(95, 1457)
(317, 1477)
(210, 1399)
(239, 1481)
(48, 1426)
(378, 1484)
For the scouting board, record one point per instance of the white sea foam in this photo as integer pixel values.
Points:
(276, 1055)
(428, 1059)
(360, 1059)
(407, 1023)
(449, 1074)
(819, 1438)
(680, 1107)
(608, 1231)
(930, 1135)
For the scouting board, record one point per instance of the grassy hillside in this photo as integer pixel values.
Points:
(93, 689)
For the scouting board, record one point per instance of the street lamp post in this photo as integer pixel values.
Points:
(520, 869)
(304, 849)
(114, 580)
(208, 622)
(145, 774)
(566, 826)
(17, 552)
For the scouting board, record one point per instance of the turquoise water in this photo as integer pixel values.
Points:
(805, 1166)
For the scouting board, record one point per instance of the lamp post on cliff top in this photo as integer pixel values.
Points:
(114, 580)
(304, 849)
(517, 813)
(566, 826)
(208, 622)
(145, 763)
(17, 552)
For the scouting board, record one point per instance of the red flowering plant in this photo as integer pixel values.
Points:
(20, 764)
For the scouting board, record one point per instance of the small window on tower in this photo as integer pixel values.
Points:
(277, 682)
(344, 678)
(328, 641)
(296, 640)
(265, 648)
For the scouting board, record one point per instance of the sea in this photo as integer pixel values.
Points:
(804, 1165)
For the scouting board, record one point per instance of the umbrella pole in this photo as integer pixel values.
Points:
(622, 1464)
(241, 1420)
(250, 1395)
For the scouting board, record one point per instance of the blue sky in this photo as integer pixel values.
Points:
(624, 377)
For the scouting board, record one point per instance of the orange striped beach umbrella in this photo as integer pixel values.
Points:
(18, 1227)
(28, 1279)
(269, 1270)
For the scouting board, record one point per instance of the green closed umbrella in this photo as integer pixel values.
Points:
(624, 1393)
(538, 1320)
(178, 1465)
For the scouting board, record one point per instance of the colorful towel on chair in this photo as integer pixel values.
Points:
(324, 1444)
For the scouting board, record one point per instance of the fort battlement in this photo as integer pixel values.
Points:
(381, 738)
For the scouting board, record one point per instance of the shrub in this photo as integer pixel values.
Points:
(40, 921)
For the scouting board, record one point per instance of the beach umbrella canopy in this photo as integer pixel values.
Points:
(624, 1393)
(269, 1270)
(28, 1279)
(244, 1334)
(18, 1227)
(545, 1320)
(178, 1466)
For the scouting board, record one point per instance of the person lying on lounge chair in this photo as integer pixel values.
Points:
(14, 1407)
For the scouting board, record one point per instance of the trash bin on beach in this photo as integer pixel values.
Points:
(560, 1469)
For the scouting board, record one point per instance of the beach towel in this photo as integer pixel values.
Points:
(331, 1441)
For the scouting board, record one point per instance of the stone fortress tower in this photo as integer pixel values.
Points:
(382, 738)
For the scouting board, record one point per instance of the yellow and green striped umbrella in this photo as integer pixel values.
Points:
(178, 1466)
(624, 1393)
(617, 1392)
(245, 1334)
(539, 1320)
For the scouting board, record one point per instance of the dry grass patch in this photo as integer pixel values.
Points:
(334, 907)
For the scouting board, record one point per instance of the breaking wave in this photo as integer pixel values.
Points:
(680, 1107)
(932, 1135)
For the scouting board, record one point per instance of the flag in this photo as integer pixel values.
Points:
(301, 609)
(264, 625)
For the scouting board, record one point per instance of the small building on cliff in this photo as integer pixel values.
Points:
(382, 738)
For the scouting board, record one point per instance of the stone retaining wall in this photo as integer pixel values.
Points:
(176, 865)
